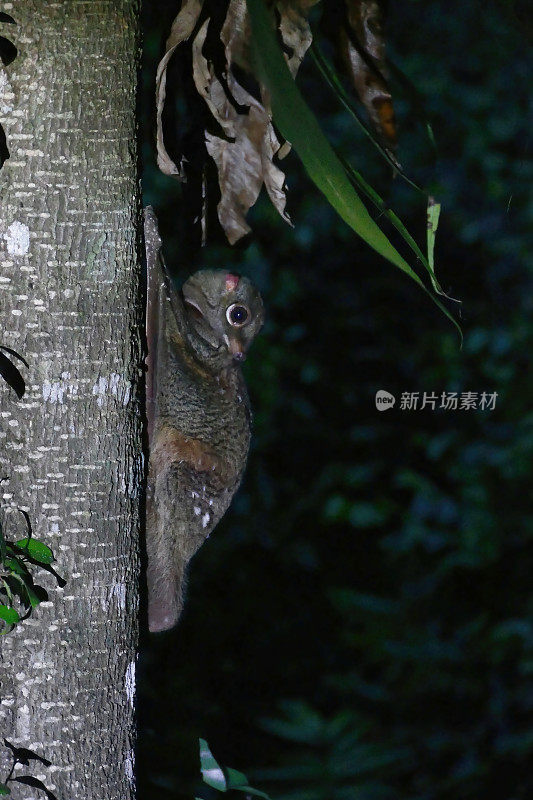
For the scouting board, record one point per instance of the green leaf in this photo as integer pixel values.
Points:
(9, 615)
(299, 126)
(27, 592)
(4, 789)
(37, 550)
(33, 598)
(433, 214)
(212, 773)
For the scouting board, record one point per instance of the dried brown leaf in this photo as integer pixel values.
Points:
(295, 30)
(182, 28)
(273, 177)
(297, 38)
(362, 46)
(244, 158)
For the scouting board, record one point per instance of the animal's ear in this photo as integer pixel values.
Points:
(193, 309)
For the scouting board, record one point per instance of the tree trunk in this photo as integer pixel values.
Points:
(71, 449)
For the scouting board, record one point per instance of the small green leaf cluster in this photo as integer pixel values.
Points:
(19, 594)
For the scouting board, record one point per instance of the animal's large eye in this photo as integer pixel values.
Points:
(237, 315)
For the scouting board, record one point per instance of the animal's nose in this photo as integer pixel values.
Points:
(236, 348)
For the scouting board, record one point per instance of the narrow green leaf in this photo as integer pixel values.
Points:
(433, 214)
(4, 789)
(212, 773)
(37, 550)
(299, 126)
(9, 615)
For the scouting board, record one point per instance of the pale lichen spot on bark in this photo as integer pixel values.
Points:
(17, 239)
(129, 766)
(118, 591)
(23, 723)
(6, 94)
(130, 682)
(114, 386)
(55, 391)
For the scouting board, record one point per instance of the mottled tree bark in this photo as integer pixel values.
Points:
(71, 449)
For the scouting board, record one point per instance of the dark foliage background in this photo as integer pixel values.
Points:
(360, 625)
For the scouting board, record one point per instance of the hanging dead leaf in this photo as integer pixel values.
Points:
(244, 155)
(295, 31)
(182, 28)
(362, 47)
(297, 38)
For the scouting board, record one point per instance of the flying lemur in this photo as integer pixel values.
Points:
(199, 419)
